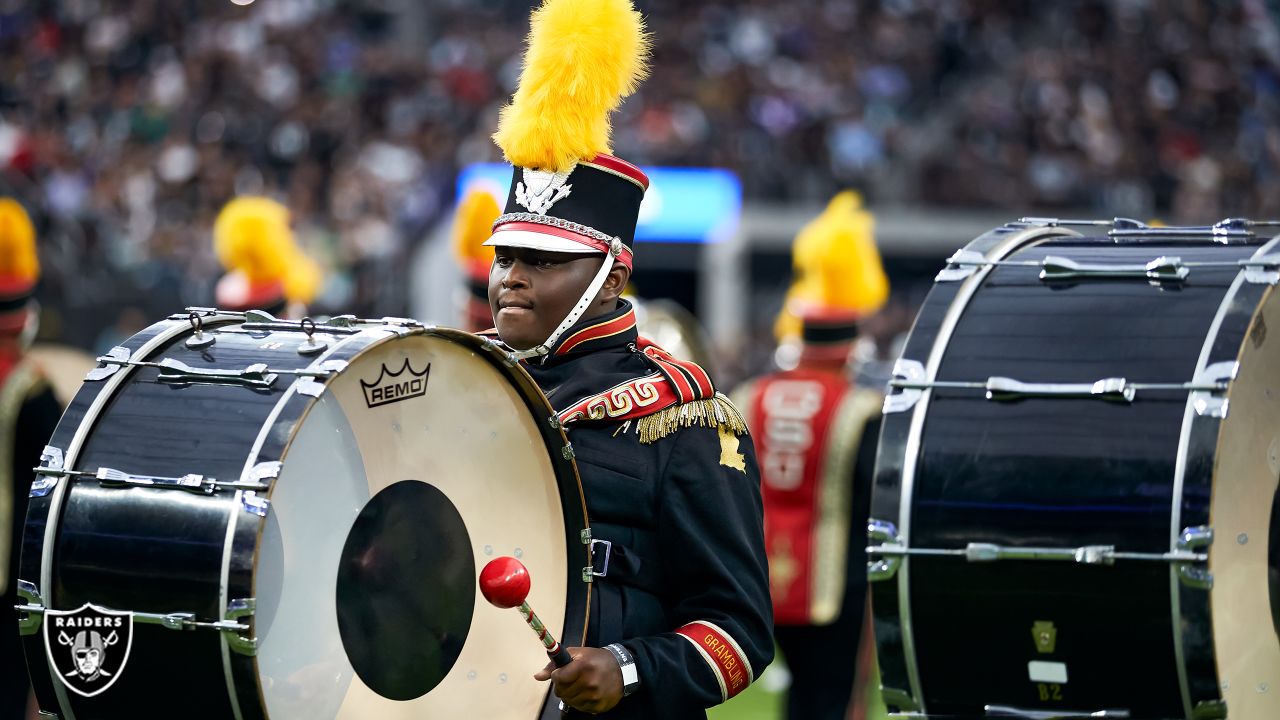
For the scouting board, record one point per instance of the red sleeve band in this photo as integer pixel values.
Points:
(728, 663)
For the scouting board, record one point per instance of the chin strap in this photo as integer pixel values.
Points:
(615, 249)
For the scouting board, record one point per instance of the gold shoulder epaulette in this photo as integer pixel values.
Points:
(717, 412)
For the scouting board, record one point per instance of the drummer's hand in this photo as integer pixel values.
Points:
(591, 683)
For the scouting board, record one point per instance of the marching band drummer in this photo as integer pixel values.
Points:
(680, 616)
(29, 414)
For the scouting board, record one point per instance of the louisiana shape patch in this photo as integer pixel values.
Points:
(88, 647)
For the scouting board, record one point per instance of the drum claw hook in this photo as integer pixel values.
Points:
(310, 346)
(198, 339)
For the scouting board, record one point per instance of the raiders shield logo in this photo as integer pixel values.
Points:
(88, 646)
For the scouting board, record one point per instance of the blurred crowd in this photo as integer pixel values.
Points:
(125, 126)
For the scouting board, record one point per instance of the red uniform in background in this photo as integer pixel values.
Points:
(815, 435)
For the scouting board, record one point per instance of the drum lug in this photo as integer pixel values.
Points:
(911, 371)
(961, 265)
(51, 466)
(1206, 403)
(882, 534)
(237, 609)
(254, 504)
(1262, 270)
(1192, 539)
(264, 471)
(31, 613)
(111, 363)
(567, 451)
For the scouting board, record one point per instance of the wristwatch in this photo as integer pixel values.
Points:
(630, 676)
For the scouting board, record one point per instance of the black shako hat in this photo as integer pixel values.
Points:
(591, 208)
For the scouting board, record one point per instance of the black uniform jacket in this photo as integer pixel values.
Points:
(673, 486)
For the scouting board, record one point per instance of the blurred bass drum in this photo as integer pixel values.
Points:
(240, 517)
(1075, 508)
(674, 329)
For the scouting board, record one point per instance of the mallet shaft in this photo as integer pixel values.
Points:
(555, 650)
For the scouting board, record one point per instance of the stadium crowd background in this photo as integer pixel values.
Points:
(125, 126)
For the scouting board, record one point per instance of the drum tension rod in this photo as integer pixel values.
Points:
(32, 611)
(173, 371)
(1163, 269)
(1085, 555)
(891, 549)
(910, 378)
(112, 478)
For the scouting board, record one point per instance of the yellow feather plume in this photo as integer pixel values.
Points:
(302, 279)
(472, 225)
(583, 58)
(837, 265)
(252, 235)
(18, 258)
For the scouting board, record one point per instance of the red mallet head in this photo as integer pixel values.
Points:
(504, 582)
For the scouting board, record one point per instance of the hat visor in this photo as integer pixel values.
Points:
(539, 241)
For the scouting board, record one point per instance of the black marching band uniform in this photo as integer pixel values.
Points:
(668, 470)
(672, 487)
(29, 412)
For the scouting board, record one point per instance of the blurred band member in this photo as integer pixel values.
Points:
(266, 270)
(28, 415)
(816, 436)
(472, 226)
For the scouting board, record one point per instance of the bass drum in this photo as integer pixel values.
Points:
(240, 517)
(1075, 506)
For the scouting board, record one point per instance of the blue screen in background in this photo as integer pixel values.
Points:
(693, 205)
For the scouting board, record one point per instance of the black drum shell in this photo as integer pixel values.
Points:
(169, 551)
(1045, 472)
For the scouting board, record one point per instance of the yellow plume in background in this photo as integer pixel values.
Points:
(18, 259)
(302, 278)
(472, 225)
(836, 265)
(252, 235)
(583, 58)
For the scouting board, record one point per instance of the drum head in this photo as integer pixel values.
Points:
(418, 464)
(1243, 557)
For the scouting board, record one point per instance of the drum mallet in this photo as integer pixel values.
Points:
(505, 583)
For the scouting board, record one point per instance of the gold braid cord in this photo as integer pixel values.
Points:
(716, 412)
